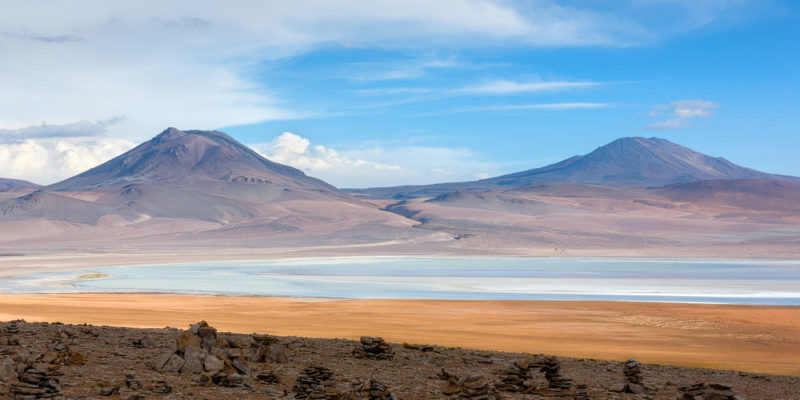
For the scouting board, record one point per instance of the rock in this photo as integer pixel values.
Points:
(146, 342)
(162, 387)
(552, 373)
(268, 349)
(193, 357)
(240, 366)
(581, 392)
(173, 364)
(108, 391)
(212, 364)
(635, 389)
(131, 382)
(451, 388)
(617, 387)
(268, 377)
(374, 347)
(714, 391)
(76, 358)
(518, 377)
(315, 383)
(186, 339)
(8, 372)
(34, 383)
(477, 387)
(370, 389)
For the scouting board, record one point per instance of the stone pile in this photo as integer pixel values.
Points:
(269, 377)
(371, 390)
(268, 350)
(518, 377)
(61, 353)
(633, 375)
(581, 392)
(374, 347)
(552, 373)
(131, 382)
(315, 383)
(713, 391)
(13, 327)
(145, 342)
(162, 387)
(476, 387)
(197, 352)
(33, 383)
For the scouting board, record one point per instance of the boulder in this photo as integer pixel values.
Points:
(186, 339)
(193, 357)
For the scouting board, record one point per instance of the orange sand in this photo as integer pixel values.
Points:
(748, 338)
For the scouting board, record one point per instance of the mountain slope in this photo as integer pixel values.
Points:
(197, 186)
(627, 162)
(9, 184)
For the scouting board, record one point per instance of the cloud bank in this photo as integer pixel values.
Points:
(399, 164)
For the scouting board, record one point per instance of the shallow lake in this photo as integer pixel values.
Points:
(774, 282)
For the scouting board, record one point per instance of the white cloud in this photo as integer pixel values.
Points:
(679, 113)
(399, 165)
(503, 87)
(194, 64)
(50, 158)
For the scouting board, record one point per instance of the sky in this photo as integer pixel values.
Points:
(378, 93)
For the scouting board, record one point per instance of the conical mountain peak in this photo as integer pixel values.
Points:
(186, 158)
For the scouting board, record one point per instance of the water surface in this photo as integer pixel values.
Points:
(773, 282)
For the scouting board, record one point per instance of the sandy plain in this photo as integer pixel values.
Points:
(745, 338)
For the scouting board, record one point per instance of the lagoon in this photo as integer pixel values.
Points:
(733, 281)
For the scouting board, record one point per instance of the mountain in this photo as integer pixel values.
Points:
(196, 185)
(186, 158)
(627, 162)
(9, 184)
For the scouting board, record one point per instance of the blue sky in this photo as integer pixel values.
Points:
(384, 93)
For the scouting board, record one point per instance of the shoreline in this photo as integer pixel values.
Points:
(761, 339)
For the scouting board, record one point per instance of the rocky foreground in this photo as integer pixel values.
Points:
(42, 361)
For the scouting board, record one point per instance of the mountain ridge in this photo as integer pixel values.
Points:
(626, 162)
